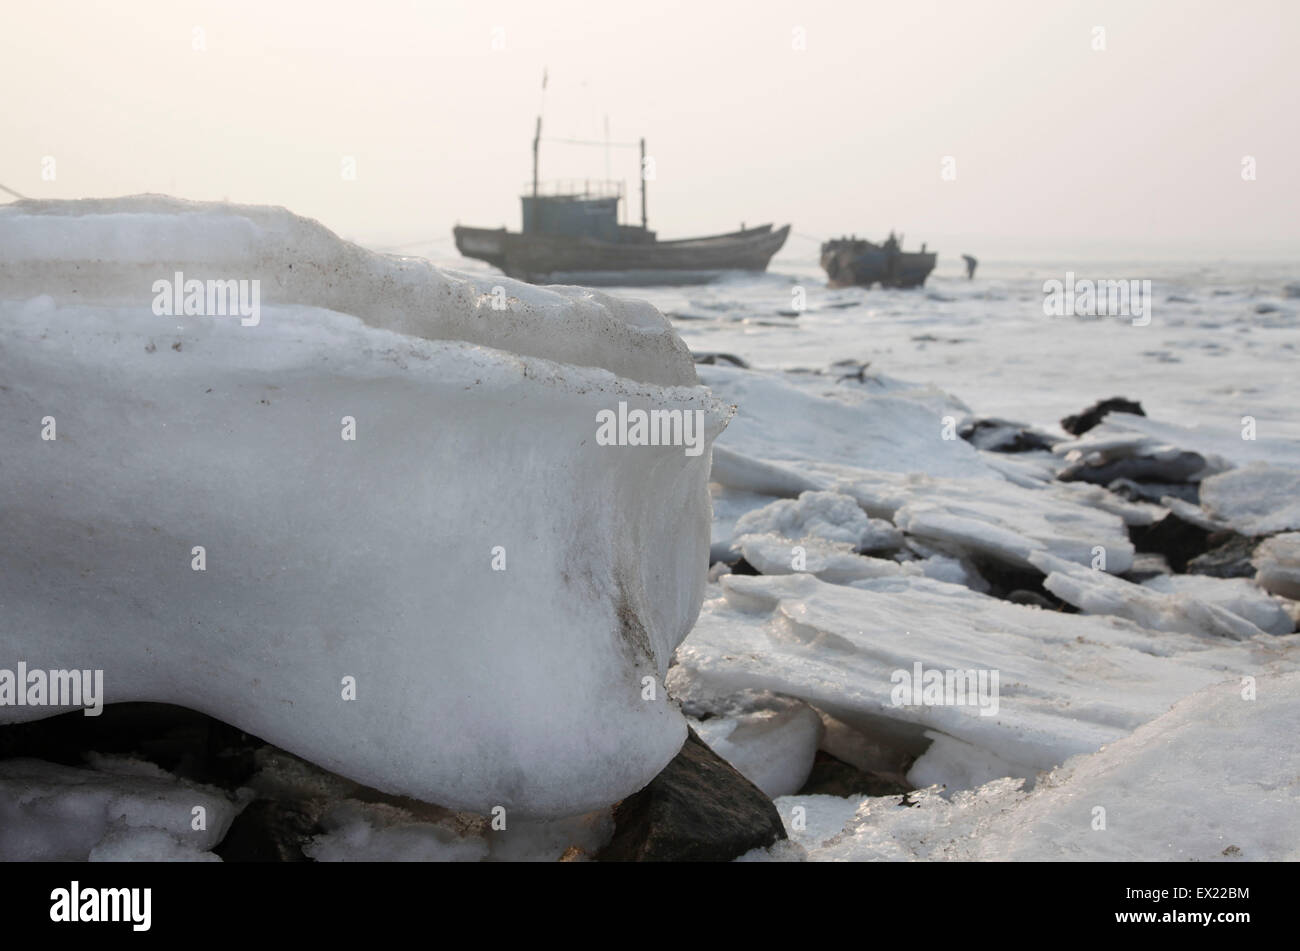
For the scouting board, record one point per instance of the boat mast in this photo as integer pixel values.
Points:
(537, 141)
(644, 223)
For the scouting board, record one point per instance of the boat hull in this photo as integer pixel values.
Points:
(556, 259)
(860, 263)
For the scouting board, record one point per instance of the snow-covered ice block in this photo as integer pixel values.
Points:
(1214, 779)
(115, 249)
(835, 562)
(395, 492)
(1066, 683)
(1193, 514)
(773, 747)
(811, 821)
(838, 563)
(123, 810)
(950, 763)
(1096, 592)
(998, 519)
(919, 826)
(738, 471)
(1277, 561)
(1184, 787)
(1259, 499)
(124, 844)
(1239, 595)
(1126, 434)
(778, 422)
(826, 515)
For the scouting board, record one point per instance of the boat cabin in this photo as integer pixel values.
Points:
(581, 210)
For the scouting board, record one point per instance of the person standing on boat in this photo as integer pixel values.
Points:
(970, 266)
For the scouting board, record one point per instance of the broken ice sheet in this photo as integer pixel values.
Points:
(1068, 683)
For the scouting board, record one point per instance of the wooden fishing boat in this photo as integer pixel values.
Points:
(850, 261)
(571, 235)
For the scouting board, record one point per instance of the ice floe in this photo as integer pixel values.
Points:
(1278, 562)
(790, 425)
(999, 519)
(1258, 499)
(1174, 609)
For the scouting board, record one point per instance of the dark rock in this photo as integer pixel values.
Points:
(699, 809)
(1090, 417)
(188, 744)
(1004, 580)
(859, 375)
(834, 777)
(1227, 556)
(1000, 435)
(1021, 596)
(1147, 565)
(724, 359)
(1178, 540)
(270, 830)
(1177, 468)
(1155, 491)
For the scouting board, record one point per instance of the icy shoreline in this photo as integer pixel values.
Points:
(1121, 600)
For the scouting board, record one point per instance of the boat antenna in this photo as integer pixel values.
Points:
(537, 141)
(644, 221)
(537, 136)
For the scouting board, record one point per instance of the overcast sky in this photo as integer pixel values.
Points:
(1058, 147)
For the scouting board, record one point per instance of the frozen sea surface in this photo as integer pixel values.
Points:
(1222, 341)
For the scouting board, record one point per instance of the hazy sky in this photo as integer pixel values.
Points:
(1058, 148)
